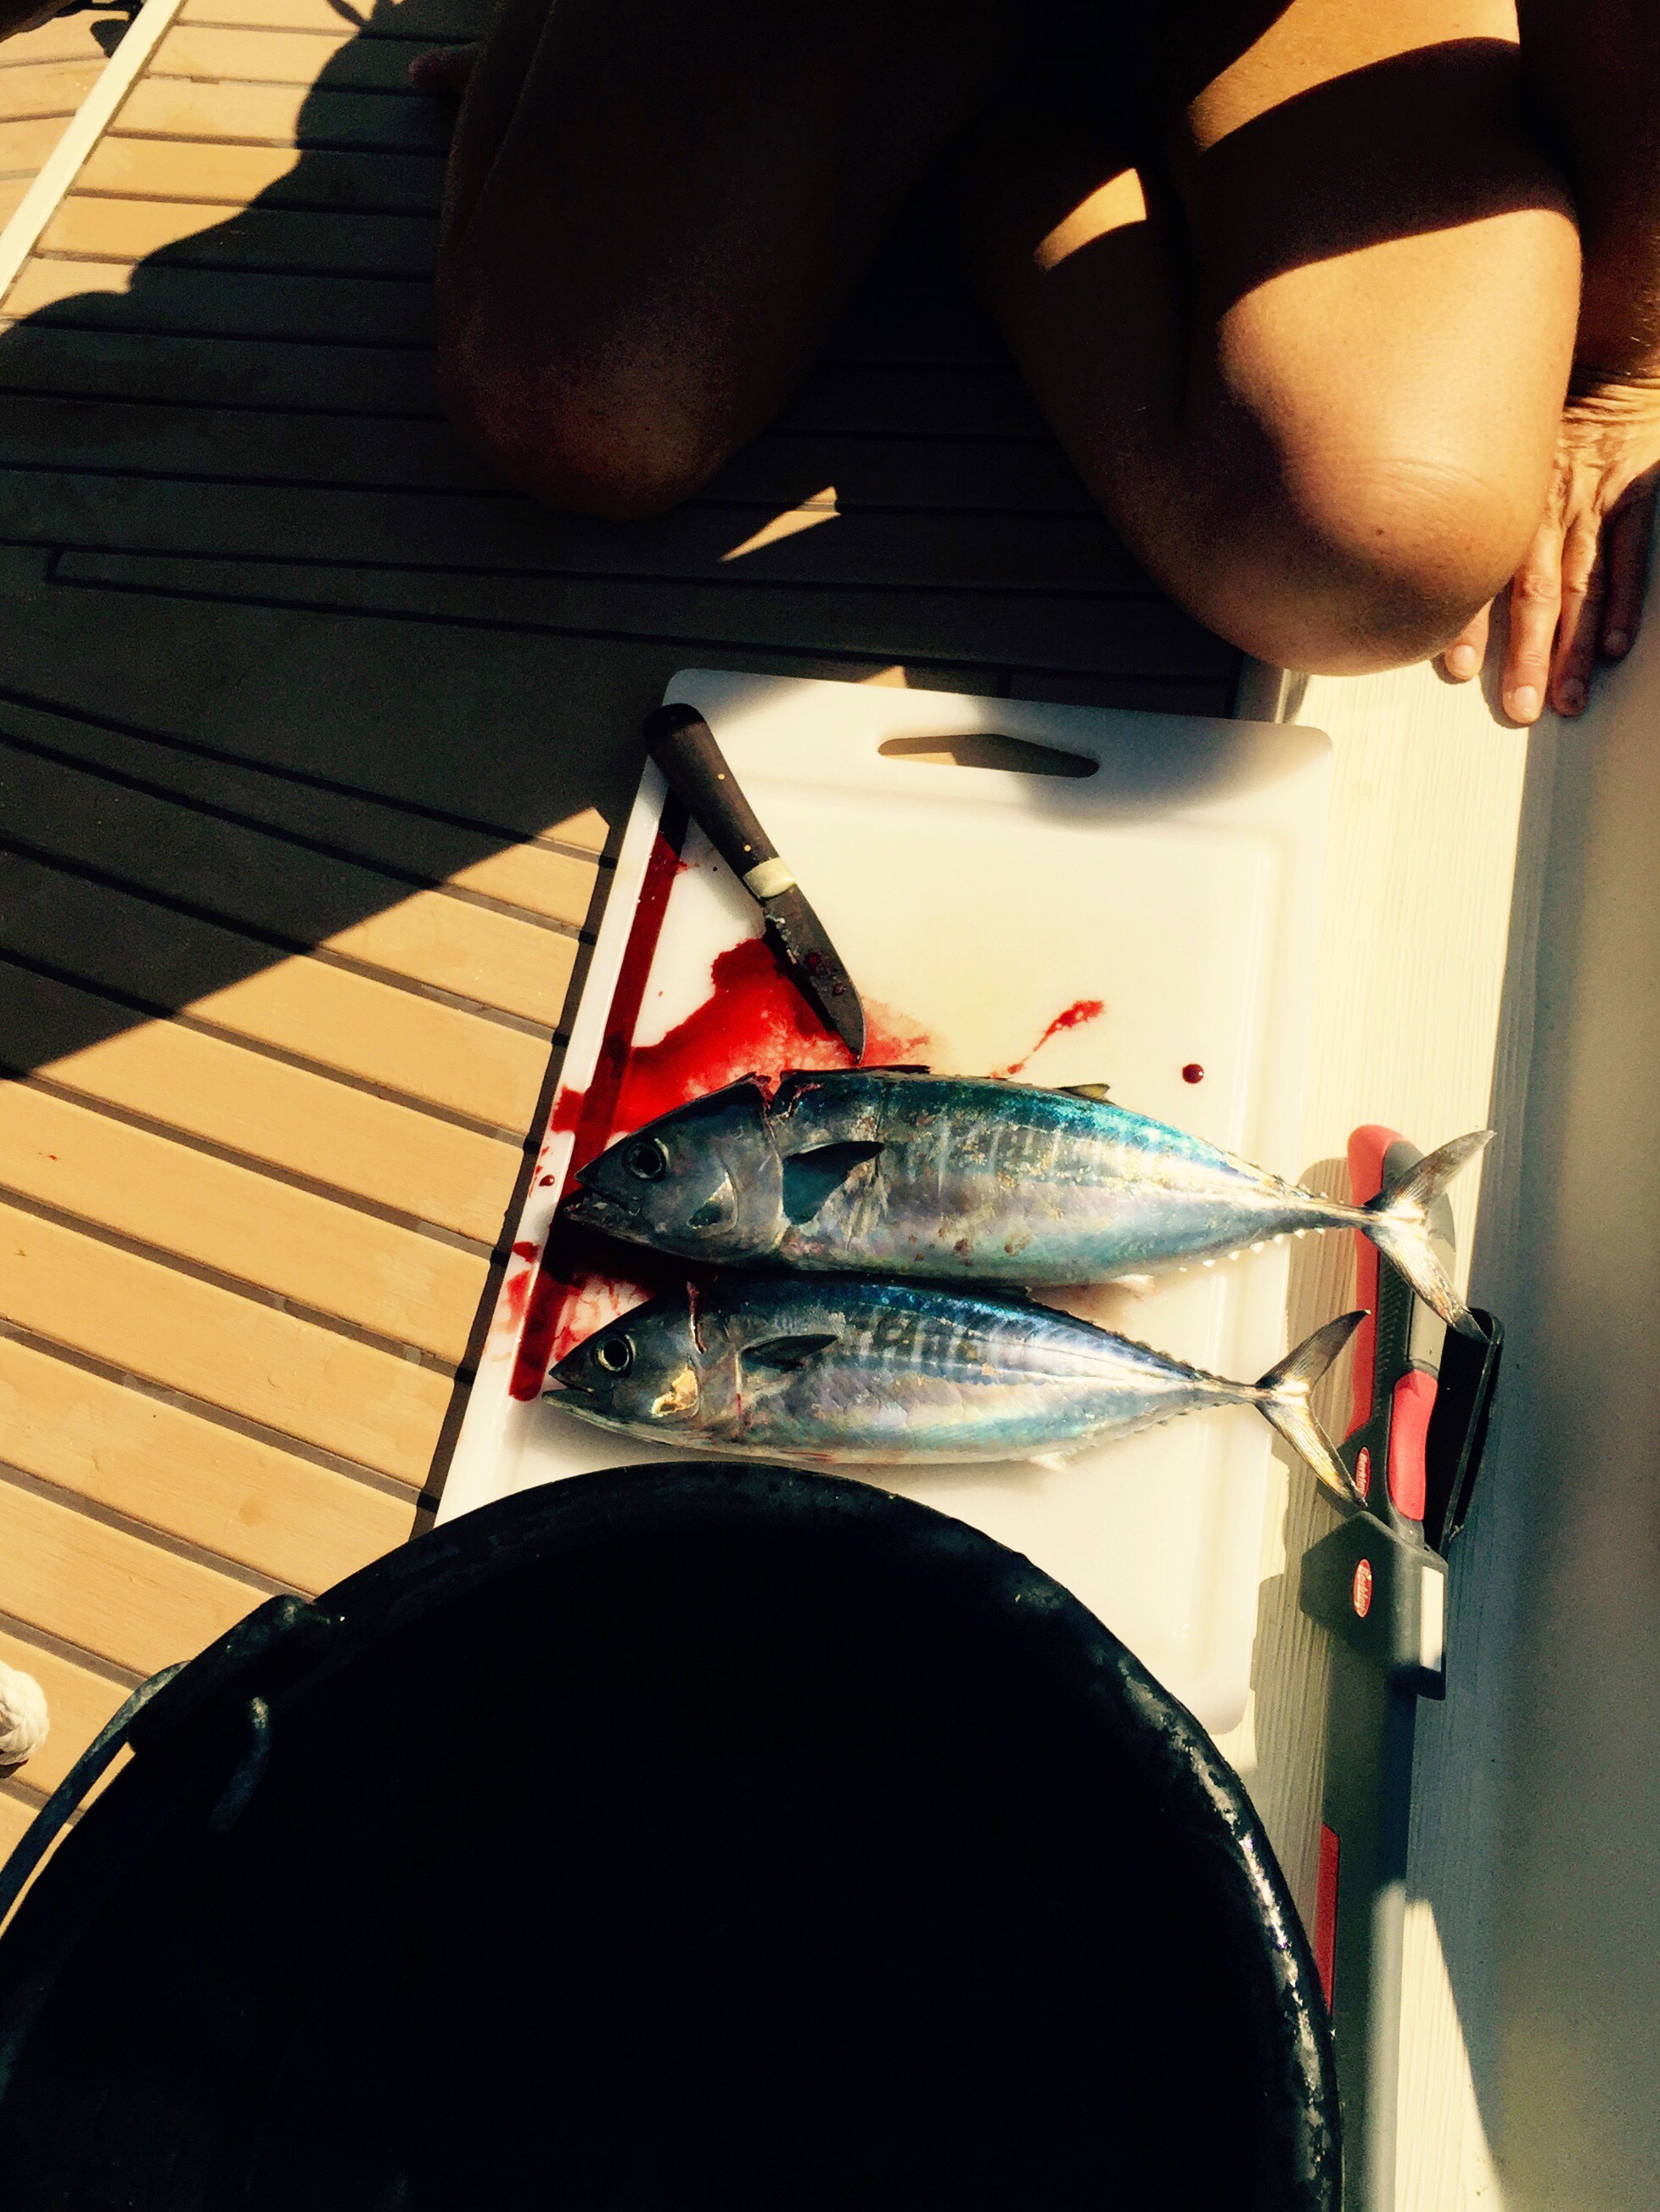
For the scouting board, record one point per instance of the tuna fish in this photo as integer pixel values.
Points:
(884, 1172)
(831, 1370)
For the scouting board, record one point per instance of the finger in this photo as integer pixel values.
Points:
(1579, 623)
(1625, 555)
(1463, 657)
(1535, 601)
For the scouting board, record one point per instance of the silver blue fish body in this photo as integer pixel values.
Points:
(838, 1369)
(992, 1181)
(970, 1179)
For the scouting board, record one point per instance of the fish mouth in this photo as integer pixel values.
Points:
(593, 1209)
(562, 1382)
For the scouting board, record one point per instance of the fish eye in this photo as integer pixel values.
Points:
(648, 1157)
(615, 1355)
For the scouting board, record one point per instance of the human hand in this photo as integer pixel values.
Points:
(1581, 585)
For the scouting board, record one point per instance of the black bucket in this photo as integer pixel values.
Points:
(685, 1840)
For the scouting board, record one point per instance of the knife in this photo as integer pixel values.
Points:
(682, 745)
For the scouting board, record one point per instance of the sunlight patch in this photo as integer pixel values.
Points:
(1116, 205)
(821, 507)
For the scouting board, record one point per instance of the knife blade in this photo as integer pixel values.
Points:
(684, 746)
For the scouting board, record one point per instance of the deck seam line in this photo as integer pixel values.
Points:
(223, 1033)
(125, 780)
(307, 779)
(151, 1125)
(86, 127)
(290, 948)
(55, 1646)
(144, 1531)
(249, 1292)
(1130, 592)
(401, 1487)
(675, 641)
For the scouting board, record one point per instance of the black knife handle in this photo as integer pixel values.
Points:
(682, 745)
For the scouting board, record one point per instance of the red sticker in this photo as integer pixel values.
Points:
(1361, 1593)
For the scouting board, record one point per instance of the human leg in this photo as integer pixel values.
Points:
(654, 212)
(1306, 338)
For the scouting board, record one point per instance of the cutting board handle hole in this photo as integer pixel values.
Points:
(987, 749)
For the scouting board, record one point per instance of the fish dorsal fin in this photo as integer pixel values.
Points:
(811, 1177)
(784, 1354)
(1097, 1093)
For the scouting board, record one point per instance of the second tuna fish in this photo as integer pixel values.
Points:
(954, 1177)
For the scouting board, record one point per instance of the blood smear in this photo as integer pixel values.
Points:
(1070, 1017)
(754, 1021)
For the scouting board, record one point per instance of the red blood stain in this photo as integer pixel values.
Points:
(1071, 1018)
(525, 1251)
(754, 1021)
(1193, 1072)
(512, 1293)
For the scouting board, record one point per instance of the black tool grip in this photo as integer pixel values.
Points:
(682, 745)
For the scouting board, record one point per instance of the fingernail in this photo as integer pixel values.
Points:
(1616, 643)
(1461, 660)
(1522, 703)
(1570, 695)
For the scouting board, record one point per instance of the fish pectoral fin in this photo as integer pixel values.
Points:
(784, 1354)
(810, 1177)
(1139, 1286)
(1056, 1461)
(1097, 1093)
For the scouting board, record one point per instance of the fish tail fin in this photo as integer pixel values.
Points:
(1397, 1221)
(1283, 1398)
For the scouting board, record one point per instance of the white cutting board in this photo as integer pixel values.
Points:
(1176, 888)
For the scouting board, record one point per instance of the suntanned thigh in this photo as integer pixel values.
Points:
(1303, 316)
(655, 209)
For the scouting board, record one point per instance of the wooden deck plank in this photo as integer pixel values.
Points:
(214, 370)
(300, 897)
(230, 303)
(182, 1202)
(308, 1124)
(521, 735)
(421, 20)
(539, 878)
(16, 1811)
(78, 1705)
(207, 1485)
(168, 169)
(97, 226)
(327, 1015)
(60, 39)
(1101, 635)
(283, 56)
(713, 547)
(223, 439)
(25, 146)
(290, 1374)
(856, 406)
(112, 1593)
(284, 115)
(52, 88)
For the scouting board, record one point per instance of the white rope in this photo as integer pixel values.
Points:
(23, 1722)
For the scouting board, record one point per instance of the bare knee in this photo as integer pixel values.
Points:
(1355, 562)
(574, 436)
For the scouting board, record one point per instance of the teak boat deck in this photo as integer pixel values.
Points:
(312, 739)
